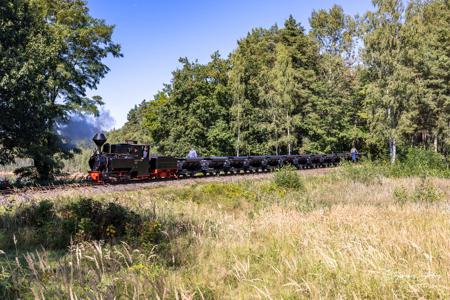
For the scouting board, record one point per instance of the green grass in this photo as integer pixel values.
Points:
(414, 162)
(330, 237)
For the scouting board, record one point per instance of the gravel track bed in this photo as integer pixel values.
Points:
(90, 190)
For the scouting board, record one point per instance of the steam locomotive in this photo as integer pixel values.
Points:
(130, 161)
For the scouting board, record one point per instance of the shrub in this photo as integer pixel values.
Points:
(287, 178)
(426, 192)
(365, 172)
(35, 215)
(401, 195)
(413, 162)
(421, 162)
(54, 227)
(78, 163)
(150, 232)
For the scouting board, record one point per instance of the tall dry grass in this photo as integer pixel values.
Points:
(333, 238)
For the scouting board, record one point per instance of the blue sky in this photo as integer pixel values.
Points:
(154, 34)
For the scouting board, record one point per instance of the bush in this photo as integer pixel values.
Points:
(98, 221)
(55, 227)
(287, 178)
(421, 162)
(365, 172)
(425, 192)
(413, 162)
(401, 195)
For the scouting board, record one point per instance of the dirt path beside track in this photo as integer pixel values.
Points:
(90, 190)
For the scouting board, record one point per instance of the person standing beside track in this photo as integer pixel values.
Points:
(354, 154)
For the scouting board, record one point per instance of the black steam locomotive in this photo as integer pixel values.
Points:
(131, 161)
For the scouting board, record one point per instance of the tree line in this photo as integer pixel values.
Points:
(379, 82)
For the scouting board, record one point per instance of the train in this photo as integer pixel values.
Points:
(130, 161)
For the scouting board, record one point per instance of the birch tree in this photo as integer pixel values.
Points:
(390, 82)
(283, 104)
(237, 90)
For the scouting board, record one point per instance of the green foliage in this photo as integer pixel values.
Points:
(201, 246)
(413, 162)
(366, 172)
(425, 192)
(192, 112)
(51, 55)
(78, 163)
(150, 233)
(270, 96)
(401, 195)
(288, 178)
(228, 195)
(421, 162)
(284, 90)
(56, 226)
(135, 129)
(404, 107)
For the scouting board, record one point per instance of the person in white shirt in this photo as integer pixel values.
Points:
(145, 153)
(354, 153)
(192, 154)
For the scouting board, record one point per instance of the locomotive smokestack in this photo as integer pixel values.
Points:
(99, 139)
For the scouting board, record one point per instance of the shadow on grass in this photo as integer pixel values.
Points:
(55, 227)
(44, 235)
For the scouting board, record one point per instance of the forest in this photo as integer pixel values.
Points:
(379, 81)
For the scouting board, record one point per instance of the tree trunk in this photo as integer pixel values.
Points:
(289, 134)
(435, 143)
(392, 142)
(43, 169)
(393, 145)
(238, 144)
(276, 142)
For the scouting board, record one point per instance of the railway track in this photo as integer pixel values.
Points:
(42, 188)
(132, 184)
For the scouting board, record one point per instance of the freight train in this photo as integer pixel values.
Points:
(131, 161)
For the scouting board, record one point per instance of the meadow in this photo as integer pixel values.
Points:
(351, 233)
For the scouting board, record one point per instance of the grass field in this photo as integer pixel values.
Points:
(326, 236)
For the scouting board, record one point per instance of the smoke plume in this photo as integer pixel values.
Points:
(80, 129)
